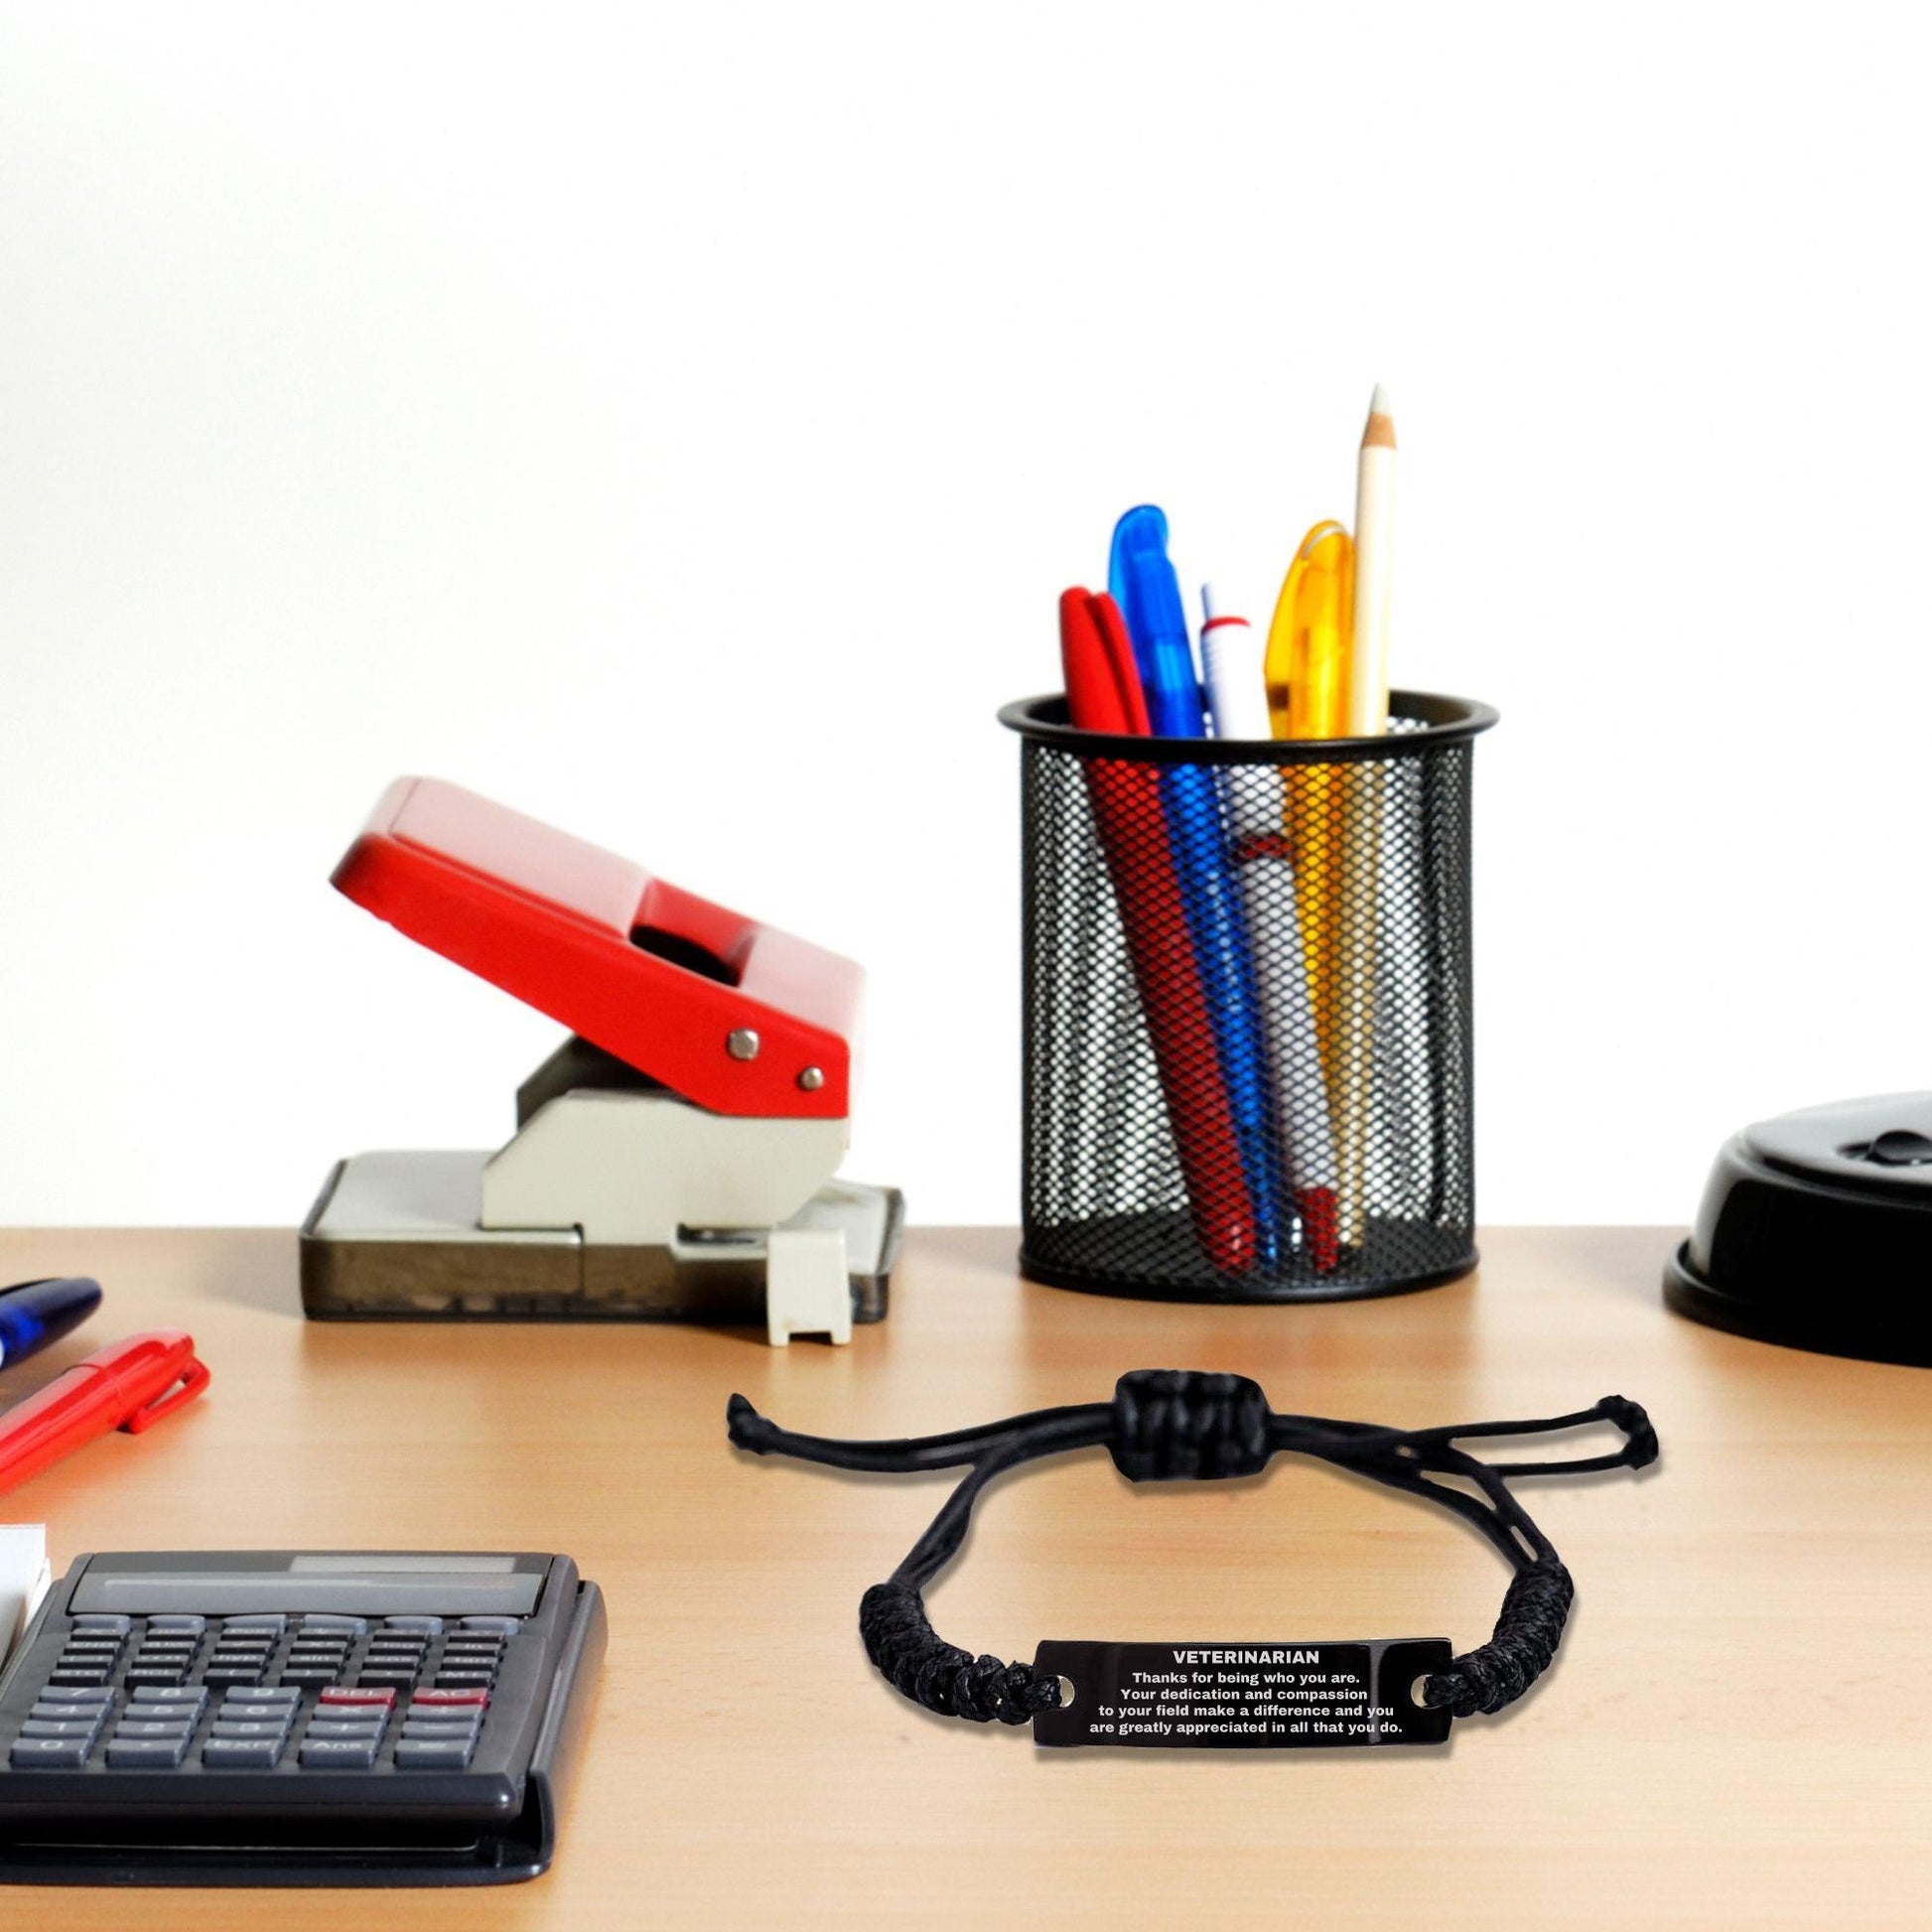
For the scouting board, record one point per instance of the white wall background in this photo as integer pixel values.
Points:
(679, 422)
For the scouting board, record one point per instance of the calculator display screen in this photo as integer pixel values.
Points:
(359, 1582)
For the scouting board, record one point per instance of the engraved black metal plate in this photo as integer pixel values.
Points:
(1242, 1696)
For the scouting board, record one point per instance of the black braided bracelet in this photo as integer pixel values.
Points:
(1165, 1425)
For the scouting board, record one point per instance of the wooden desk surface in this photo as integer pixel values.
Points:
(1723, 1741)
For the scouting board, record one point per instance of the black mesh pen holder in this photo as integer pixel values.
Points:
(1247, 1008)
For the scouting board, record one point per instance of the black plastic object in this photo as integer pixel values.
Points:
(1816, 1231)
(492, 1822)
(1377, 835)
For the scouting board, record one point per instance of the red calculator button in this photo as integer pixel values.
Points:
(342, 1695)
(443, 1699)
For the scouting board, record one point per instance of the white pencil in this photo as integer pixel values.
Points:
(1237, 700)
(1369, 672)
(1353, 988)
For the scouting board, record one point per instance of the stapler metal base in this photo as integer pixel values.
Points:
(398, 1235)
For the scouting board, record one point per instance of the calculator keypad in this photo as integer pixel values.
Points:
(263, 1693)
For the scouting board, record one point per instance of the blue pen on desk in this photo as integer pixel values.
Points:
(34, 1314)
(1144, 585)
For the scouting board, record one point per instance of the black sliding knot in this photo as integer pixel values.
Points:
(1528, 1630)
(1171, 1425)
(1167, 1423)
(918, 1663)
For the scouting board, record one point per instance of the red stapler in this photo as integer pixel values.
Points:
(674, 1159)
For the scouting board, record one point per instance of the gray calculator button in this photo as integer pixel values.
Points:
(308, 1674)
(340, 1753)
(227, 1676)
(173, 1694)
(90, 1674)
(156, 1728)
(74, 1693)
(243, 1753)
(427, 1626)
(193, 1624)
(503, 1627)
(432, 1754)
(147, 1675)
(85, 1646)
(120, 1626)
(147, 1753)
(343, 1734)
(248, 1727)
(290, 1697)
(464, 1680)
(417, 1728)
(60, 1727)
(384, 1679)
(264, 1621)
(347, 1626)
(60, 1753)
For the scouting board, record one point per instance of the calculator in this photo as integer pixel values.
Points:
(296, 1718)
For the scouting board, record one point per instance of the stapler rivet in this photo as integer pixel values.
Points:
(644, 1179)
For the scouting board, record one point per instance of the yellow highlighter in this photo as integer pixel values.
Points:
(1307, 641)
(1307, 669)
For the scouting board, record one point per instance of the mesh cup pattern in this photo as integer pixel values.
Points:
(1264, 1094)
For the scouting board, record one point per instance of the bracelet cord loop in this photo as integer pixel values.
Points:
(1179, 1424)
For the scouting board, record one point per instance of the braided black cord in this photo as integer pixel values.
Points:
(920, 1664)
(1167, 1425)
(1528, 1630)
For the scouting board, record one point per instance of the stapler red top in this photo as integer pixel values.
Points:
(735, 1016)
(675, 1154)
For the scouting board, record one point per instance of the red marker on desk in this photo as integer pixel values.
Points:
(129, 1385)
